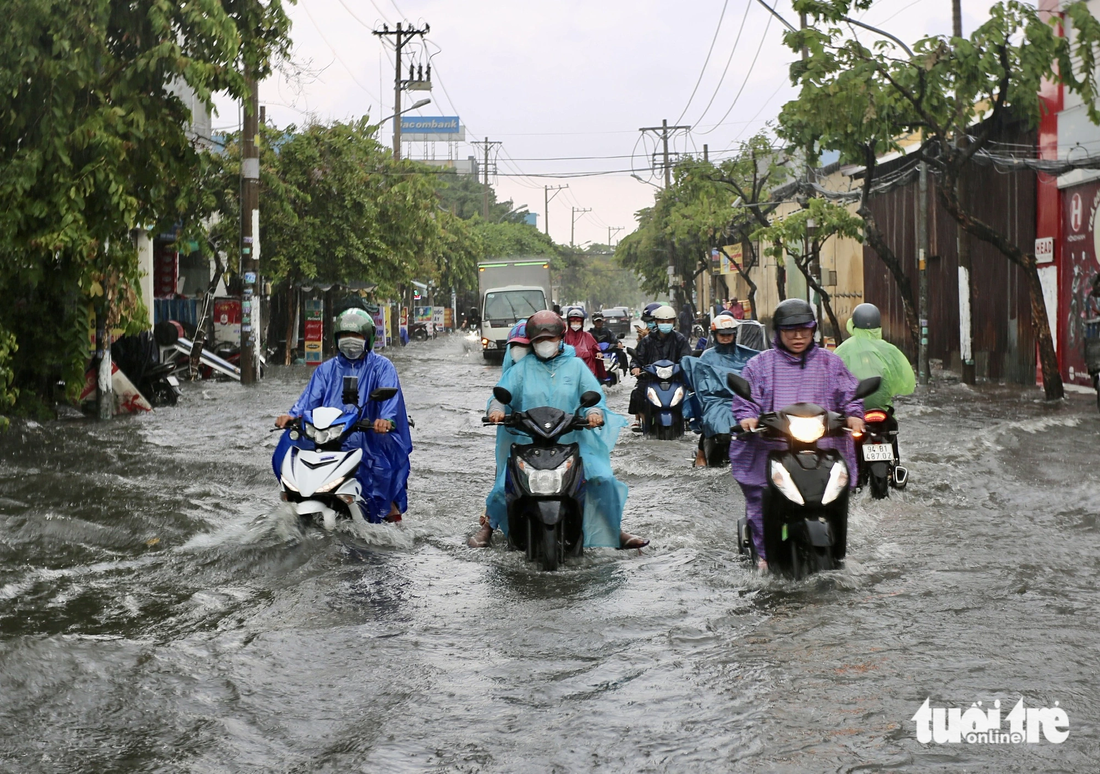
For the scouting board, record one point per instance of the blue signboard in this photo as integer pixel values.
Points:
(430, 124)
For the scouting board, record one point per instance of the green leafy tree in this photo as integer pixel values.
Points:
(93, 141)
(801, 235)
(464, 196)
(854, 96)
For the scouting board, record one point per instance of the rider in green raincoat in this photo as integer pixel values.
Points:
(866, 355)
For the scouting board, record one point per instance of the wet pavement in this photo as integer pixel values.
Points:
(160, 612)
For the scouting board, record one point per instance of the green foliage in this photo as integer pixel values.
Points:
(93, 138)
(594, 278)
(8, 392)
(463, 196)
(791, 235)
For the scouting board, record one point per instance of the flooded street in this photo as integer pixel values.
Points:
(160, 612)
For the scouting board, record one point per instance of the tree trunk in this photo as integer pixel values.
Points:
(291, 321)
(1048, 359)
(104, 394)
(780, 273)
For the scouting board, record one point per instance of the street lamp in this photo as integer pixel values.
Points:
(414, 106)
(397, 124)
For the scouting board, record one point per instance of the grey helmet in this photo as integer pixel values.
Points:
(866, 316)
(793, 313)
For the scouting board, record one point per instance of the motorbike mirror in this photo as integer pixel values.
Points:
(630, 351)
(383, 393)
(502, 395)
(740, 386)
(351, 390)
(590, 399)
(867, 387)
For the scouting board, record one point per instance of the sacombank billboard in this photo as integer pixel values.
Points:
(429, 124)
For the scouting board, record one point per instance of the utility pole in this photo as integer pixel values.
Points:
(573, 226)
(922, 266)
(250, 235)
(546, 189)
(663, 132)
(400, 38)
(487, 147)
(616, 229)
(962, 239)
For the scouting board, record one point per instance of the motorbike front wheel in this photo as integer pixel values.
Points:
(552, 546)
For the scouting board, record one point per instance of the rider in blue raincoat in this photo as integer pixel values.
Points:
(384, 471)
(554, 377)
(710, 407)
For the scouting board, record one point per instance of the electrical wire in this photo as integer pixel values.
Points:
(748, 75)
(725, 70)
(706, 61)
(338, 57)
(352, 14)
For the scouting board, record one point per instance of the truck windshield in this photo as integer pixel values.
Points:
(509, 306)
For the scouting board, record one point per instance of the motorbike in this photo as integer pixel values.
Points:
(317, 476)
(663, 417)
(806, 502)
(614, 363)
(876, 453)
(544, 482)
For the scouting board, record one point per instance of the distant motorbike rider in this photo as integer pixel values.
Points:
(581, 340)
(794, 371)
(866, 354)
(553, 377)
(601, 333)
(664, 344)
(724, 354)
(384, 471)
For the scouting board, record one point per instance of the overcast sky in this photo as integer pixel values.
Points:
(558, 82)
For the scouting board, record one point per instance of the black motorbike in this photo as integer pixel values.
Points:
(806, 502)
(877, 453)
(544, 483)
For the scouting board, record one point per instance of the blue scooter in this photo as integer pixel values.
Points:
(666, 390)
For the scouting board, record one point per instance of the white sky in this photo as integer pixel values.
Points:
(560, 79)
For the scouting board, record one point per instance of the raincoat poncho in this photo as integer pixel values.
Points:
(867, 355)
(384, 471)
(560, 382)
(587, 350)
(780, 378)
(710, 405)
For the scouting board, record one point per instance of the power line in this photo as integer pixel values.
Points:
(706, 61)
(338, 58)
(752, 66)
(725, 70)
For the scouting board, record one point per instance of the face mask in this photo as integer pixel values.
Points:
(519, 352)
(351, 348)
(664, 327)
(575, 326)
(546, 349)
(651, 325)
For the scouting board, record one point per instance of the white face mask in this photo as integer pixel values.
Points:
(664, 327)
(351, 348)
(519, 351)
(546, 349)
(576, 326)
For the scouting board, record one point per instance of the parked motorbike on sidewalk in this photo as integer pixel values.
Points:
(544, 483)
(877, 453)
(806, 503)
(318, 477)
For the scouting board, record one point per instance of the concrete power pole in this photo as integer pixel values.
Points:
(962, 239)
(400, 38)
(250, 237)
(616, 229)
(922, 266)
(573, 225)
(488, 146)
(547, 198)
(663, 132)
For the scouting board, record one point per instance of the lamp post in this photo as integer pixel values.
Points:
(397, 123)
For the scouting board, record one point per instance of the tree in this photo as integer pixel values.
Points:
(940, 89)
(802, 234)
(93, 142)
(464, 197)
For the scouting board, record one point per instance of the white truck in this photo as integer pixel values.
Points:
(511, 289)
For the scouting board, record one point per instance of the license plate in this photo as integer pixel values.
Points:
(878, 452)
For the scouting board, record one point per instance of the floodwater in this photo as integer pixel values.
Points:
(160, 612)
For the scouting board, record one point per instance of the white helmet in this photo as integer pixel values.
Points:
(724, 322)
(665, 312)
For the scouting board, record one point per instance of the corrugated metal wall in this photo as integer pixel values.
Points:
(1004, 345)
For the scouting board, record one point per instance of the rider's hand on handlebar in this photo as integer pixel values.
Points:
(595, 419)
(748, 425)
(636, 371)
(382, 425)
(855, 424)
(283, 420)
(496, 417)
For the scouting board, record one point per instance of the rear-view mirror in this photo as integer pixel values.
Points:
(502, 395)
(590, 399)
(383, 393)
(867, 387)
(740, 386)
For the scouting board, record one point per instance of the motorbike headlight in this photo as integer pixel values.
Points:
(546, 482)
(289, 485)
(326, 435)
(838, 480)
(785, 484)
(665, 372)
(651, 394)
(331, 485)
(807, 429)
(677, 396)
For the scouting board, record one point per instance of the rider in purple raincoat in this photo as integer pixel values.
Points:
(795, 371)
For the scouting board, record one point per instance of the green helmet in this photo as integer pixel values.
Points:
(354, 321)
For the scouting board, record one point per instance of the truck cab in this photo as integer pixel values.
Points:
(511, 289)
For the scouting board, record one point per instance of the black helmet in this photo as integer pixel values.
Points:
(647, 313)
(597, 316)
(544, 325)
(866, 316)
(793, 313)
